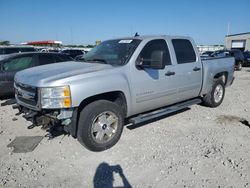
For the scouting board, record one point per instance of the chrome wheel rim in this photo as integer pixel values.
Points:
(218, 93)
(104, 127)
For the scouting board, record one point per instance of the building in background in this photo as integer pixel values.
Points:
(238, 41)
(212, 48)
(46, 43)
(97, 42)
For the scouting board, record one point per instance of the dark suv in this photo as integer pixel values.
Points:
(237, 54)
(13, 63)
(246, 58)
(73, 53)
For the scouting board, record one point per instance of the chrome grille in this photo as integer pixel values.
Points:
(26, 94)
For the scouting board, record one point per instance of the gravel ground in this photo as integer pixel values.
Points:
(200, 147)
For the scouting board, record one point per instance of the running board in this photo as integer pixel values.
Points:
(163, 111)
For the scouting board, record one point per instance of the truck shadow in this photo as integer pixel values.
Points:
(8, 101)
(104, 176)
(135, 126)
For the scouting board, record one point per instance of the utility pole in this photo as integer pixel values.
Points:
(71, 35)
(228, 28)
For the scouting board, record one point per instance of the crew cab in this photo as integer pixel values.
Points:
(121, 80)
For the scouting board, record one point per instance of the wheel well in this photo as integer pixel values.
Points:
(117, 97)
(222, 75)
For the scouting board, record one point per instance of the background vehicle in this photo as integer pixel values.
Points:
(72, 52)
(14, 49)
(237, 54)
(15, 62)
(207, 54)
(246, 58)
(133, 79)
(80, 57)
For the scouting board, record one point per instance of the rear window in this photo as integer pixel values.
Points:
(184, 51)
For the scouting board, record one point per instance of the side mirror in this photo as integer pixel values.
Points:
(155, 62)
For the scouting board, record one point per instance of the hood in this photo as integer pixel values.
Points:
(46, 74)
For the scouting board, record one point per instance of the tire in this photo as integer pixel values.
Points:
(100, 125)
(239, 67)
(214, 98)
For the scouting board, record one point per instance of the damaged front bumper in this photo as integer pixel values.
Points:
(47, 118)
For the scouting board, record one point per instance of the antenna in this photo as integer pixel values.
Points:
(136, 34)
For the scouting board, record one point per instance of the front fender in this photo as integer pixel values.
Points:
(87, 87)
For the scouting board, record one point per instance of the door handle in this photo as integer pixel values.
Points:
(169, 73)
(196, 69)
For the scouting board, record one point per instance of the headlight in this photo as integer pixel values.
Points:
(55, 97)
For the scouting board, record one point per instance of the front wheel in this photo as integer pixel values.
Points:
(100, 125)
(215, 97)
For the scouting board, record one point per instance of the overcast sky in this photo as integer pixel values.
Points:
(84, 22)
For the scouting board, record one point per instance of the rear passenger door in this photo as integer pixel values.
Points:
(12, 66)
(188, 69)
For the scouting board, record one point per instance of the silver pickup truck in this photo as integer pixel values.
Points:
(122, 80)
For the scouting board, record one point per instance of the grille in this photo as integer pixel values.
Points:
(26, 94)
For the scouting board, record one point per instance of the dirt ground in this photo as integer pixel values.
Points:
(200, 147)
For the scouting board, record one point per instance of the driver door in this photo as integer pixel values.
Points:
(153, 88)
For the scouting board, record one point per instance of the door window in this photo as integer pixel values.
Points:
(184, 51)
(18, 63)
(155, 45)
(46, 59)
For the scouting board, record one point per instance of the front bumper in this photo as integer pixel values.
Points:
(48, 118)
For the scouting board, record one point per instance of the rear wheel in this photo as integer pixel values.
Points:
(215, 97)
(100, 125)
(239, 66)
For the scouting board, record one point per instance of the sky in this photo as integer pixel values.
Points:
(84, 22)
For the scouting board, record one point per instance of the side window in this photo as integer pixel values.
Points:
(46, 59)
(58, 59)
(18, 63)
(155, 45)
(2, 51)
(184, 51)
(11, 50)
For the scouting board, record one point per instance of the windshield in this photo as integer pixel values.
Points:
(114, 52)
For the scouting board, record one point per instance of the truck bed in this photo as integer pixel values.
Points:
(213, 66)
